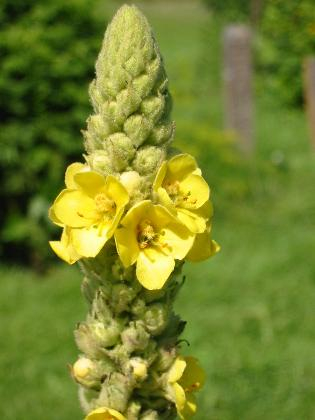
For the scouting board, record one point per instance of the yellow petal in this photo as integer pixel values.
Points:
(153, 268)
(89, 241)
(165, 200)
(160, 176)
(193, 377)
(127, 245)
(104, 413)
(180, 166)
(205, 211)
(203, 248)
(192, 220)
(196, 189)
(116, 191)
(177, 369)
(190, 407)
(176, 240)
(53, 217)
(73, 208)
(112, 224)
(90, 182)
(197, 172)
(64, 248)
(137, 212)
(70, 172)
(160, 216)
(180, 397)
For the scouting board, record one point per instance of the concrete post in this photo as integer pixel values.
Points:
(237, 75)
(309, 94)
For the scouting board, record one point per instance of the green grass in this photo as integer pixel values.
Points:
(250, 310)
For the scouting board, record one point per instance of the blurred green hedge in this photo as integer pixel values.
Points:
(230, 10)
(48, 49)
(287, 37)
(285, 32)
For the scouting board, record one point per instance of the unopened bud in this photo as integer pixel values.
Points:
(155, 318)
(165, 359)
(122, 296)
(150, 415)
(100, 162)
(93, 337)
(139, 368)
(91, 373)
(135, 337)
(148, 159)
(120, 150)
(138, 307)
(82, 367)
(131, 181)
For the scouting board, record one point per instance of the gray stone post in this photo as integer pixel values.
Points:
(237, 75)
(309, 94)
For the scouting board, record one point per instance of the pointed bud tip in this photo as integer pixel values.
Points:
(128, 13)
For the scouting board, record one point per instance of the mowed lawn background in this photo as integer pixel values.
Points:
(250, 310)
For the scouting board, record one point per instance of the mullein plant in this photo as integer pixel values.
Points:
(131, 214)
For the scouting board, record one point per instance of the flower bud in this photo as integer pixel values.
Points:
(135, 337)
(115, 392)
(165, 359)
(120, 150)
(153, 107)
(120, 273)
(137, 128)
(131, 181)
(100, 309)
(92, 337)
(82, 367)
(98, 128)
(133, 410)
(162, 133)
(139, 368)
(150, 415)
(148, 159)
(90, 373)
(122, 296)
(138, 307)
(155, 318)
(100, 162)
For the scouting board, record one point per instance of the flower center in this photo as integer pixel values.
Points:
(177, 196)
(146, 234)
(104, 204)
(172, 189)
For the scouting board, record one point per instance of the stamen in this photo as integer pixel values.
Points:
(146, 234)
(104, 204)
(172, 188)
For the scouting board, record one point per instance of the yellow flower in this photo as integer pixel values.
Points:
(180, 187)
(204, 247)
(184, 378)
(90, 207)
(152, 238)
(64, 248)
(104, 413)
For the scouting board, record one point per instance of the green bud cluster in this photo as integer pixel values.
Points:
(131, 127)
(129, 339)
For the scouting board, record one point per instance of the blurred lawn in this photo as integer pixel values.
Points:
(250, 309)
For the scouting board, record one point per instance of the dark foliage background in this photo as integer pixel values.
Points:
(48, 49)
